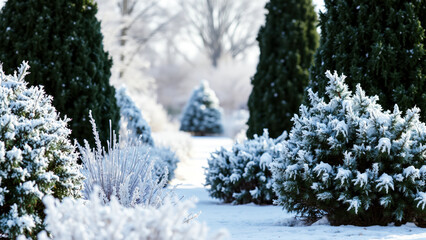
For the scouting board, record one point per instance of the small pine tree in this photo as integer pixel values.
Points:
(379, 44)
(62, 41)
(287, 44)
(131, 114)
(36, 157)
(202, 114)
(352, 161)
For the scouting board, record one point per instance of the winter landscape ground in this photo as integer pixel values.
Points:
(252, 221)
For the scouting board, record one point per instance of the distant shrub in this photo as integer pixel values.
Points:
(353, 162)
(132, 117)
(242, 175)
(202, 114)
(91, 220)
(36, 156)
(164, 158)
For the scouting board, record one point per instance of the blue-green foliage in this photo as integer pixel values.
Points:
(202, 114)
(352, 161)
(241, 175)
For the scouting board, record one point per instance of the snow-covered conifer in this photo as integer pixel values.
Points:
(378, 44)
(242, 175)
(164, 160)
(349, 159)
(36, 156)
(202, 114)
(131, 115)
(287, 43)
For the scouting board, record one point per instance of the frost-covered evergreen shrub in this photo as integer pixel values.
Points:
(123, 171)
(202, 114)
(93, 220)
(242, 175)
(131, 114)
(352, 161)
(36, 157)
(164, 160)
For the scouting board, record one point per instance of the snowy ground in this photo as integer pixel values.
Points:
(264, 222)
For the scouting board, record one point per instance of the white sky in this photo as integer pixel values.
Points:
(319, 4)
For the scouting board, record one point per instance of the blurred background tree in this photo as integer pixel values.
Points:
(62, 41)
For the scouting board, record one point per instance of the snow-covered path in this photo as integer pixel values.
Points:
(190, 174)
(264, 222)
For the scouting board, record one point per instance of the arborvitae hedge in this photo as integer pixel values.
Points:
(62, 41)
(287, 44)
(379, 44)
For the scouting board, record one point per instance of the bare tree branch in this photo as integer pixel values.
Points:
(223, 26)
(135, 14)
(144, 40)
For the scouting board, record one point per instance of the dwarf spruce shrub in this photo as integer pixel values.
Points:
(241, 175)
(351, 160)
(36, 157)
(202, 114)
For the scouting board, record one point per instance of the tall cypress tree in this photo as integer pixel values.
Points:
(62, 41)
(287, 44)
(379, 44)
